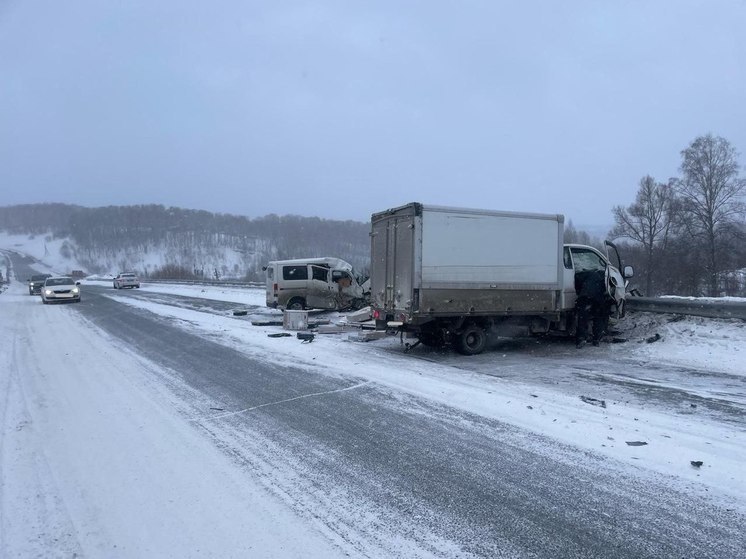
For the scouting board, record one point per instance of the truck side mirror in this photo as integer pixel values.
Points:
(628, 272)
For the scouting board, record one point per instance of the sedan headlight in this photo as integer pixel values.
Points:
(76, 290)
(48, 292)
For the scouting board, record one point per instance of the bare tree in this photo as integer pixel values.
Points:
(648, 222)
(711, 193)
(580, 236)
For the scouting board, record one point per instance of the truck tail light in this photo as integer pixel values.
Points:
(376, 314)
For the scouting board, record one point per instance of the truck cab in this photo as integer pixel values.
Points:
(580, 258)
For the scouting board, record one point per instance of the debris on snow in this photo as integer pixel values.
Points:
(636, 443)
(335, 329)
(594, 401)
(696, 463)
(653, 338)
(367, 336)
(363, 315)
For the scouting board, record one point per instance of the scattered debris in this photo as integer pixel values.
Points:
(654, 338)
(696, 463)
(218, 409)
(307, 337)
(362, 315)
(240, 312)
(367, 336)
(279, 335)
(619, 340)
(594, 401)
(335, 329)
(295, 320)
(636, 443)
(530, 407)
(266, 322)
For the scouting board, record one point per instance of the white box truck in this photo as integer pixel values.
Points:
(456, 275)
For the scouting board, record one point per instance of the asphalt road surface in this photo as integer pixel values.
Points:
(376, 467)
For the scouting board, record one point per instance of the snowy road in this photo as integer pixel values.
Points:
(140, 424)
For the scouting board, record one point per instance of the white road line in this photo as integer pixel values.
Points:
(231, 413)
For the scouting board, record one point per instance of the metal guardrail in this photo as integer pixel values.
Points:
(692, 307)
(225, 283)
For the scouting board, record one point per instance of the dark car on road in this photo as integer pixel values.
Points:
(36, 282)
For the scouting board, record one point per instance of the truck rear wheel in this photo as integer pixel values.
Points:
(472, 340)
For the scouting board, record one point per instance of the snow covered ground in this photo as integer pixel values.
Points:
(66, 418)
(673, 441)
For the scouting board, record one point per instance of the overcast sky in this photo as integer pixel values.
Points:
(340, 109)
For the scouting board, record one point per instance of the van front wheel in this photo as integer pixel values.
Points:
(472, 340)
(296, 304)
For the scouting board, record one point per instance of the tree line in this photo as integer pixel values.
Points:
(686, 235)
(157, 240)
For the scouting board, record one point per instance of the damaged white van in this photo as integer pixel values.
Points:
(315, 283)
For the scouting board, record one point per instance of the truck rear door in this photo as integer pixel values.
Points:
(392, 266)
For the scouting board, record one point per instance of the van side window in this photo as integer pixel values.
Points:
(295, 272)
(321, 274)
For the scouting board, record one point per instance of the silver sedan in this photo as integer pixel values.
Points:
(60, 289)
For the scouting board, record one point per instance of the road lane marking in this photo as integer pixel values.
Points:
(231, 413)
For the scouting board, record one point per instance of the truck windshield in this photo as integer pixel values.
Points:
(587, 260)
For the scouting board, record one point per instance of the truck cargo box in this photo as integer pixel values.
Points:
(429, 261)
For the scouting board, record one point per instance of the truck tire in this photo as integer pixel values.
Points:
(296, 304)
(472, 340)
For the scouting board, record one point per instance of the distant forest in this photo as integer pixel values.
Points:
(173, 242)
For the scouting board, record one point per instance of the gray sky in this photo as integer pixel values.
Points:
(340, 109)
